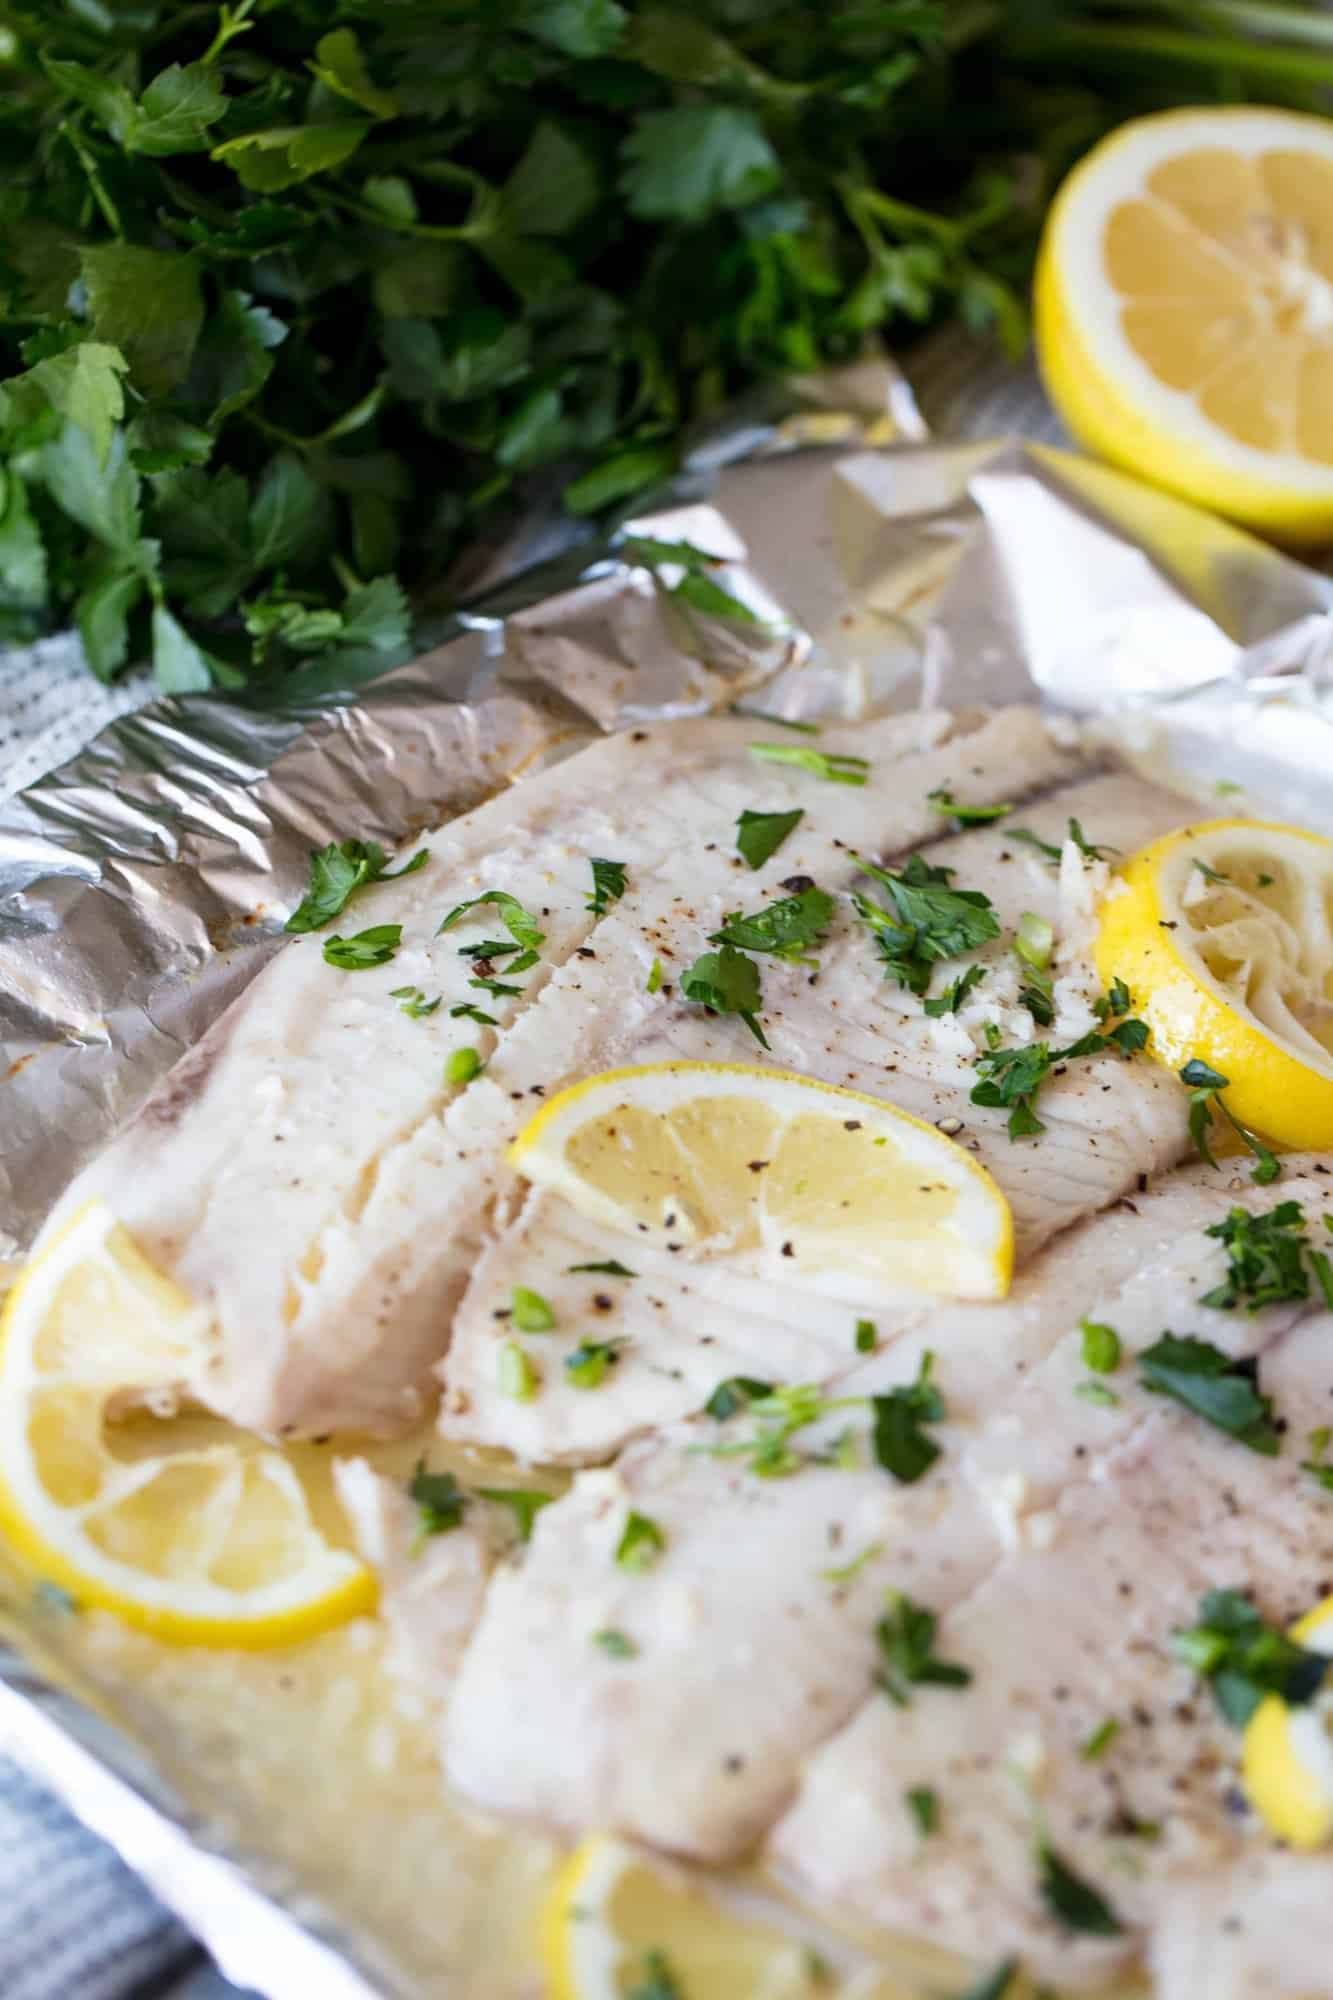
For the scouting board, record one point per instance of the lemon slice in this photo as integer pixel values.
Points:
(1184, 310)
(616, 1923)
(1224, 935)
(215, 1544)
(1287, 1753)
(828, 1184)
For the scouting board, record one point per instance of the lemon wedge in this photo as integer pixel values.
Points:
(726, 1157)
(1184, 310)
(1287, 1753)
(214, 1544)
(616, 1924)
(1224, 935)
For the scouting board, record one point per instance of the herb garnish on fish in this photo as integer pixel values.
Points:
(520, 923)
(642, 1542)
(787, 928)
(587, 1366)
(906, 1636)
(462, 1066)
(523, 1502)
(1014, 1076)
(1243, 1659)
(373, 947)
(923, 1802)
(337, 872)
(1205, 1087)
(1072, 1901)
(726, 982)
(942, 801)
(1266, 1259)
(760, 835)
(953, 996)
(440, 1501)
(414, 1002)
(1221, 1391)
(834, 766)
(901, 1445)
(608, 885)
(929, 920)
(530, 1311)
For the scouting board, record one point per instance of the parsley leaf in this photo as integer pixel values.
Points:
(906, 1636)
(943, 801)
(520, 923)
(530, 1311)
(1072, 1901)
(1012, 1077)
(901, 1445)
(787, 928)
(1205, 1086)
(929, 921)
(439, 1498)
(413, 1001)
(373, 947)
(466, 1010)
(1244, 1659)
(586, 1367)
(726, 982)
(336, 873)
(734, 1395)
(611, 1267)
(1216, 1388)
(953, 996)
(865, 1336)
(760, 835)
(924, 1805)
(617, 1645)
(608, 885)
(1101, 1347)
(655, 1980)
(1099, 1742)
(1265, 1258)
(835, 767)
(523, 1502)
(641, 1543)
(1048, 849)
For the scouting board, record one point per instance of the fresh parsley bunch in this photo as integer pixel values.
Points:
(294, 294)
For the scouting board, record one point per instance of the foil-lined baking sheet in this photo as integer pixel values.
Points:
(144, 883)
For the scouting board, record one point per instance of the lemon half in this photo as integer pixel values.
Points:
(215, 1544)
(1224, 935)
(726, 1157)
(1184, 310)
(1287, 1753)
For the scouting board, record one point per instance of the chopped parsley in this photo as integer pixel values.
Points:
(1116, 1000)
(440, 1501)
(641, 1543)
(618, 1645)
(866, 1336)
(953, 996)
(901, 1445)
(1052, 852)
(1046, 848)
(1265, 1259)
(942, 800)
(654, 980)
(1101, 1347)
(414, 1002)
(610, 1267)
(336, 873)
(1205, 1087)
(524, 1503)
(906, 1636)
(656, 1980)
(496, 988)
(530, 1311)
(1209, 874)
(373, 947)
(698, 587)
(1033, 942)
(1088, 848)
(844, 1572)
(1243, 1659)
(726, 982)
(929, 921)
(465, 1010)
(924, 1805)
(995, 1984)
(462, 1065)
(787, 928)
(514, 1373)
(1097, 1394)
(520, 923)
(734, 1395)
(608, 885)
(1072, 1901)
(1012, 1077)
(834, 767)
(587, 1366)
(1221, 1391)
(1099, 1742)
(760, 835)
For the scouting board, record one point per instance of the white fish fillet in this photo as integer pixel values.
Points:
(749, 1654)
(687, 1320)
(306, 1172)
(1260, 1931)
(1061, 1637)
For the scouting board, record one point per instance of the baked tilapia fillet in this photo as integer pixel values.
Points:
(343, 1213)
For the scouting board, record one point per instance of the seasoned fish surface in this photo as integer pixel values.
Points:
(1108, 1123)
(310, 1175)
(756, 1629)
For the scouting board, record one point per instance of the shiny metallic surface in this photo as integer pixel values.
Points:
(142, 885)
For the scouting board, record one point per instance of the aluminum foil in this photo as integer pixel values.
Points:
(142, 885)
